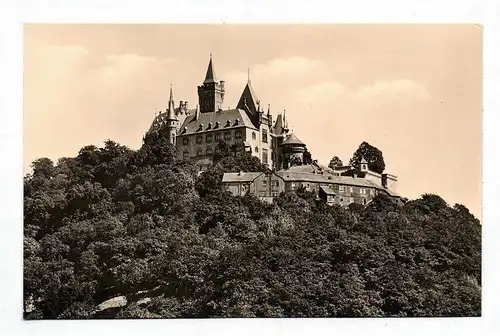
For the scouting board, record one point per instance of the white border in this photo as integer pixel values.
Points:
(13, 13)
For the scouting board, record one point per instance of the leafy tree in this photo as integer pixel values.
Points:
(143, 227)
(371, 154)
(307, 157)
(335, 162)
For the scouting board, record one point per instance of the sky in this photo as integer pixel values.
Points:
(412, 91)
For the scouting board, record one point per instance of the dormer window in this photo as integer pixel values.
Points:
(200, 128)
(184, 130)
(217, 124)
(228, 123)
(209, 126)
(236, 122)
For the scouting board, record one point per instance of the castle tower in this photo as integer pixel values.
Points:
(171, 121)
(292, 151)
(211, 92)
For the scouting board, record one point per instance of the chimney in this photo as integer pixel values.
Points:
(197, 113)
(239, 173)
(186, 105)
(384, 180)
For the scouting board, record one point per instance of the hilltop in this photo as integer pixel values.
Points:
(117, 223)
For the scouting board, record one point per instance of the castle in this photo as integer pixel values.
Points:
(196, 133)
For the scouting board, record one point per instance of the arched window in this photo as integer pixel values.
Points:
(256, 149)
(253, 135)
(199, 139)
(185, 154)
(209, 150)
(199, 152)
(237, 134)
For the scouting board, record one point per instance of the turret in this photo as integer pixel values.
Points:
(363, 165)
(171, 121)
(211, 92)
(292, 151)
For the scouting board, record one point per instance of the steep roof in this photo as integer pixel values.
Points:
(293, 140)
(210, 76)
(240, 177)
(248, 99)
(161, 119)
(193, 125)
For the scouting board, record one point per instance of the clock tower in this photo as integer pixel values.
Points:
(211, 92)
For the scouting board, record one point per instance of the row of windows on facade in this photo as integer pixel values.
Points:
(208, 151)
(362, 191)
(227, 136)
(331, 199)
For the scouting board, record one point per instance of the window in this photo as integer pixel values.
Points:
(209, 138)
(364, 201)
(185, 154)
(341, 188)
(351, 200)
(351, 189)
(293, 185)
(264, 135)
(276, 183)
(209, 150)
(217, 136)
(264, 183)
(227, 136)
(185, 141)
(253, 135)
(199, 139)
(256, 149)
(264, 156)
(199, 152)
(237, 134)
(372, 191)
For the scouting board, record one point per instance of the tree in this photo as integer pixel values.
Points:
(335, 162)
(371, 154)
(307, 157)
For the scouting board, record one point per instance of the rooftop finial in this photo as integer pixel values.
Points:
(248, 75)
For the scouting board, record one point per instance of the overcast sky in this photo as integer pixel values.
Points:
(413, 91)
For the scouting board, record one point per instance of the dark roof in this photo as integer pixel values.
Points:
(210, 76)
(248, 99)
(240, 177)
(293, 140)
(161, 119)
(328, 190)
(193, 125)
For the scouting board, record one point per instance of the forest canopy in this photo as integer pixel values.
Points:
(142, 228)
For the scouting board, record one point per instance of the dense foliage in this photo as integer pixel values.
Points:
(335, 162)
(371, 154)
(114, 222)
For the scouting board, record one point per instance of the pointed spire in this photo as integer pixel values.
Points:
(248, 75)
(268, 110)
(210, 76)
(171, 107)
